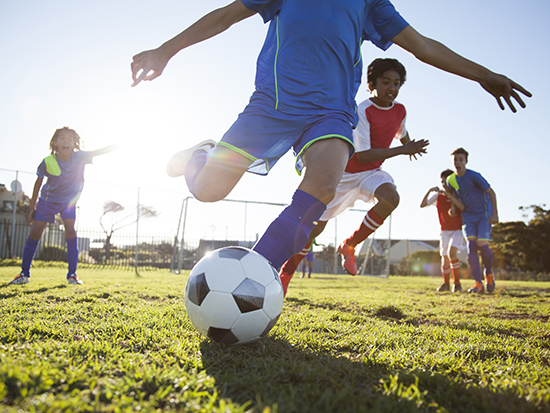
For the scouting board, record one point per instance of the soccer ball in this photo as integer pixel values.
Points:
(234, 296)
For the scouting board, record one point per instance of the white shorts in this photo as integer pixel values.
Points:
(353, 187)
(451, 239)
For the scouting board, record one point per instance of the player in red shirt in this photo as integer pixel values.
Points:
(381, 120)
(452, 241)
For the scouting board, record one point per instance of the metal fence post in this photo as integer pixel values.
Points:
(137, 234)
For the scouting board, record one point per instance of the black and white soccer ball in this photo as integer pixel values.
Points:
(234, 296)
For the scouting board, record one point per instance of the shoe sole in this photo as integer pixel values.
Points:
(176, 165)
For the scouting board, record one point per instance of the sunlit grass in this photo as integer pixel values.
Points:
(343, 344)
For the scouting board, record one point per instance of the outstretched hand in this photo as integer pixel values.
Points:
(501, 87)
(415, 147)
(148, 65)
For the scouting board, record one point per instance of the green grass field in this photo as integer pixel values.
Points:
(123, 343)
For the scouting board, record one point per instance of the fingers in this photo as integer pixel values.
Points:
(139, 79)
(510, 104)
(520, 88)
(518, 99)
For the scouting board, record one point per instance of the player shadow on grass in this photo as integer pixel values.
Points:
(17, 290)
(273, 371)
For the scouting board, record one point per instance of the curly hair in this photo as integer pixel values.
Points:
(77, 141)
(378, 67)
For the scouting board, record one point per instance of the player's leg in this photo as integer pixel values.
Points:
(445, 264)
(289, 268)
(28, 252)
(388, 199)
(486, 254)
(72, 250)
(455, 268)
(473, 259)
(444, 242)
(212, 178)
(310, 266)
(45, 212)
(324, 163)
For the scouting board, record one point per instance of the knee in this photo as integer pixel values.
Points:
(388, 195)
(453, 254)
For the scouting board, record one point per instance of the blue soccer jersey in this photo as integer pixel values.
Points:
(311, 59)
(65, 183)
(472, 191)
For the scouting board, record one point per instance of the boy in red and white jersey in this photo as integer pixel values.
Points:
(449, 209)
(381, 120)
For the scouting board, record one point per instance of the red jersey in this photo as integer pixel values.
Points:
(378, 126)
(443, 203)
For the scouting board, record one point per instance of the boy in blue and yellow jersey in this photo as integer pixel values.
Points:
(480, 212)
(64, 170)
(307, 75)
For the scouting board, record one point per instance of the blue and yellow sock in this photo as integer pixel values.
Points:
(72, 255)
(288, 234)
(473, 260)
(487, 258)
(28, 255)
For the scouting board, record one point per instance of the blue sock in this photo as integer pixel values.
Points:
(72, 255)
(193, 167)
(289, 233)
(487, 258)
(28, 255)
(473, 260)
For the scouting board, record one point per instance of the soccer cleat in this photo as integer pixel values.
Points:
(285, 280)
(443, 287)
(348, 258)
(20, 279)
(73, 279)
(489, 283)
(457, 288)
(176, 166)
(477, 288)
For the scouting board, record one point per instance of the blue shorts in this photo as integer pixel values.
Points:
(264, 135)
(46, 211)
(477, 229)
(309, 257)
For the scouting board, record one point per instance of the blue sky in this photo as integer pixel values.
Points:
(68, 63)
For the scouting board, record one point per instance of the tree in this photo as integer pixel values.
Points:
(540, 238)
(112, 210)
(524, 246)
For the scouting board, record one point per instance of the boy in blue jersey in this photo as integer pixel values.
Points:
(480, 212)
(307, 76)
(64, 170)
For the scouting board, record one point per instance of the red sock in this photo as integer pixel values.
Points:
(292, 264)
(370, 223)
(455, 268)
(446, 272)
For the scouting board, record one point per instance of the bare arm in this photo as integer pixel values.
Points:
(104, 150)
(437, 54)
(34, 199)
(424, 202)
(408, 148)
(457, 203)
(150, 64)
(493, 219)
